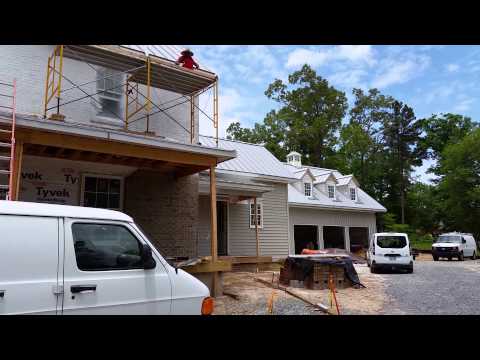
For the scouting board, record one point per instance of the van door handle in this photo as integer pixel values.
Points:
(2, 293)
(75, 289)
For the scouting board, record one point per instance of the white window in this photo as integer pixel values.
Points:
(308, 189)
(259, 214)
(102, 192)
(353, 194)
(110, 88)
(331, 191)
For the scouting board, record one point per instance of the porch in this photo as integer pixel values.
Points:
(151, 179)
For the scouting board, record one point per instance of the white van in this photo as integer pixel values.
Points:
(57, 259)
(454, 244)
(389, 251)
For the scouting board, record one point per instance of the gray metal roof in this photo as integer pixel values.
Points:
(252, 159)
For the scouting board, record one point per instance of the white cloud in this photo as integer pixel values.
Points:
(359, 54)
(349, 79)
(398, 71)
(463, 105)
(453, 67)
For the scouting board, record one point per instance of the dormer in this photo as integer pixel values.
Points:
(305, 183)
(327, 184)
(349, 187)
(294, 159)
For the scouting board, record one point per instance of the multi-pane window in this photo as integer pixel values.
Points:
(105, 247)
(331, 191)
(353, 194)
(109, 86)
(259, 215)
(308, 189)
(102, 192)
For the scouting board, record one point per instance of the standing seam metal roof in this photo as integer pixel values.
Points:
(251, 158)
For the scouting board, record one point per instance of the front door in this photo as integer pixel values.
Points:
(222, 227)
(103, 272)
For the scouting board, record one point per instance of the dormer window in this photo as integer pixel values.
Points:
(353, 194)
(331, 191)
(308, 189)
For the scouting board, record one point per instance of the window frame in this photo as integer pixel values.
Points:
(334, 191)
(116, 95)
(125, 226)
(103, 176)
(250, 214)
(354, 193)
(305, 189)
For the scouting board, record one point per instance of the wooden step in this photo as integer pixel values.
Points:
(4, 172)
(5, 145)
(3, 131)
(4, 158)
(4, 187)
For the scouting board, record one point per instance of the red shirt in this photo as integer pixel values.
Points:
(187, 61)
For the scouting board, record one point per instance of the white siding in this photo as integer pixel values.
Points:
(241, 238)
(304, 216)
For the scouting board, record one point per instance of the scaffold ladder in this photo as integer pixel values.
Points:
(7, 140)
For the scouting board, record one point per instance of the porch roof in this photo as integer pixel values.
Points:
(235, 186)
(183, 159)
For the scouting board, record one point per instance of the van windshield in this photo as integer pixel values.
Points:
(449, 239)
(392, 242)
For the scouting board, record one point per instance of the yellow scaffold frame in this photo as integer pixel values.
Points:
(134, 92)
(53, 82)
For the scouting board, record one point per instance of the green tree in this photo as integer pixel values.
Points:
(361, 140)
(312, 112)
(401, 138)
(441, 131)
(460, 184)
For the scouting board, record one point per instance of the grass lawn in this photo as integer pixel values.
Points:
(421, 244)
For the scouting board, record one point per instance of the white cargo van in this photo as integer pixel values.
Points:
(454, 244)
(389, 251)
(58, 259)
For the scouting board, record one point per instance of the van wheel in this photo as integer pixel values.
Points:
(435, 258)
(449, 258)
(410, 270)
(460, 257)
(474, 256)
(373, 269)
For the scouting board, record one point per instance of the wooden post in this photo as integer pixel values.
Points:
(256, 228)
(213, 225)
(16, 170)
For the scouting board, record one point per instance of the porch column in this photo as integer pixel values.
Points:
(213, 226)
(347, 238)
(16, 170)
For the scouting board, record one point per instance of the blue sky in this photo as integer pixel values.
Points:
(431, 79)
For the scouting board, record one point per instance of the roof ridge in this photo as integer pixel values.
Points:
(231, 140)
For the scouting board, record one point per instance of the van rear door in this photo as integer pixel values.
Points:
(29, 265)
(104, 274)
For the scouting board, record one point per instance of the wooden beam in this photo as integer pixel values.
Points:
(219, 265)
(113, 147)
(256, 228)
(17, 169)
(213, 225)
(188, 171)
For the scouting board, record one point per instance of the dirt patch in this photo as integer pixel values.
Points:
(253, 297)
(424, 257)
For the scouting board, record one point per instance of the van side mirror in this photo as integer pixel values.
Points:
(147, 258)
(464, 241)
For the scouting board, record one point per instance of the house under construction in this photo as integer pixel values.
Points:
(114, 127)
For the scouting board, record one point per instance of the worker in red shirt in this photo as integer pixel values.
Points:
(186, 59)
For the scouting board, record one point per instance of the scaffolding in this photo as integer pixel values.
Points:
(140, 69)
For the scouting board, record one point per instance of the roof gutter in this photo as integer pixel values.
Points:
(338, 208)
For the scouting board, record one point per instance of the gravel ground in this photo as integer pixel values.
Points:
(435, 288)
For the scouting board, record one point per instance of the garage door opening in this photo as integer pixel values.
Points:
(306, 237)
(358, 239)
(334, 237)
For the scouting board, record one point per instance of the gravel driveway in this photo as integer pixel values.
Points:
(443, 287)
